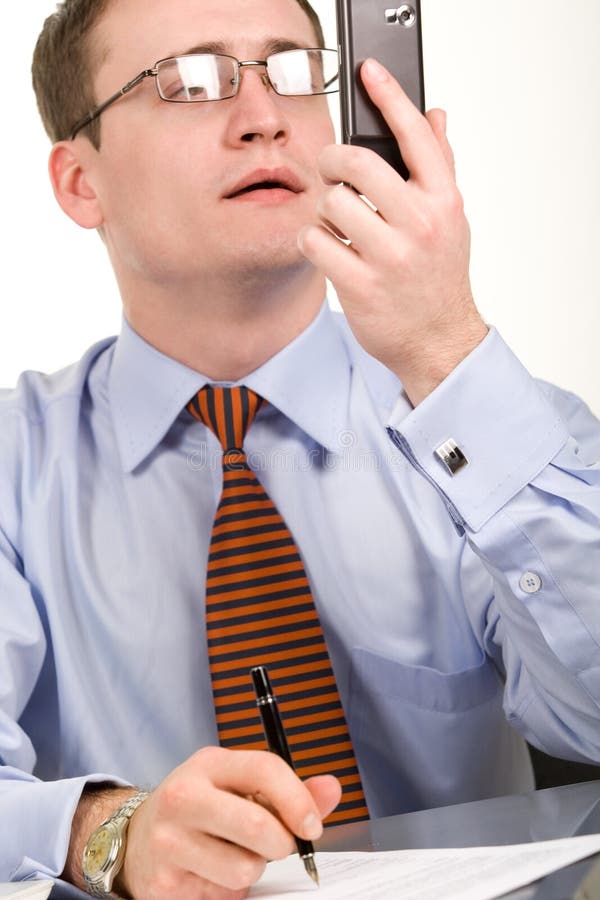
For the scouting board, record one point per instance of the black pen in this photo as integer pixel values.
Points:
(277, 743)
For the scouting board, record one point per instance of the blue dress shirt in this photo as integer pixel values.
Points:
(454, 606)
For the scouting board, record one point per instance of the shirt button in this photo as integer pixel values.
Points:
(530, 582)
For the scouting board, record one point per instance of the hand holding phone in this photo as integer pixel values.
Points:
(392, 35)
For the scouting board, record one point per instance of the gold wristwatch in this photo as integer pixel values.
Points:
(104, 853)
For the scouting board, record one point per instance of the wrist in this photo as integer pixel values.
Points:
(105, 850)
(97, 803)
(439, 352)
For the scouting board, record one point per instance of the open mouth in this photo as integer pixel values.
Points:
(261, 186)
(279, 181)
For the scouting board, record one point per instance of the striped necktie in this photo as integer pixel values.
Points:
(260, 611)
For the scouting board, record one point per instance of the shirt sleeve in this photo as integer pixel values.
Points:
(35, 815)
(516, 463)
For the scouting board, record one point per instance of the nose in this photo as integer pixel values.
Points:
(256, 111)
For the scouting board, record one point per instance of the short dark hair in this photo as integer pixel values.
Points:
(65, 61)
(315, 21)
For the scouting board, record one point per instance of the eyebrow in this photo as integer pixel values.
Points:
(275, 45)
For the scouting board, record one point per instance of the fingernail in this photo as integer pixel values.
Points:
(375, 70)
(312, 827)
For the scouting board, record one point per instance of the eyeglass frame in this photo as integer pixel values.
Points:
(147, 73)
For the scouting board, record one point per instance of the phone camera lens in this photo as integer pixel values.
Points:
(406, 15)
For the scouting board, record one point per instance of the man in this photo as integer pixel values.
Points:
(454, 567)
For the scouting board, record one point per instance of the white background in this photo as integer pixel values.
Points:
(520, 80)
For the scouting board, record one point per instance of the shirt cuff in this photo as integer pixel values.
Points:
(499, 420)
(40, 815)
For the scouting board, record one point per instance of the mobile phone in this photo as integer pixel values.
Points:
(393, 36)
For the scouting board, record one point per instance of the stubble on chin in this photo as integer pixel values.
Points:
(263, 260)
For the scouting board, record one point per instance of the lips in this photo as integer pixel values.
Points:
(266, 179)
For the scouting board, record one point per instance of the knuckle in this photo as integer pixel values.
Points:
(323, 204)
(453, 203)
(208, 757)
(163, 886)
(270, 764)
(355, 163)
(430, 225)
(247, 873)
(163, 841)
(456, 203)
(173, 797)
(310, 239)
(329, 202)
(254, 823)
(399, 260)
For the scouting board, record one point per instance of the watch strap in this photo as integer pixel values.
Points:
(120, 818)
(127, 809)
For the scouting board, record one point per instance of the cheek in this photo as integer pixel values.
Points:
(316, 137)
(154, 214)
(158, 188)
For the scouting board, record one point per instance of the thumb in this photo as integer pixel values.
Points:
(326, 791)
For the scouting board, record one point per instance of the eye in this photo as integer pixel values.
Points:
(179, 91)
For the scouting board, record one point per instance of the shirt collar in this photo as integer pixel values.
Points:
(308, 381)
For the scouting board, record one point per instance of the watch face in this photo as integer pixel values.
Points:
(100, 850)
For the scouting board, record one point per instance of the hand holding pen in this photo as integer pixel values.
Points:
(277, 743)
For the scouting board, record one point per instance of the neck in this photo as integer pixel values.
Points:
(225, 330)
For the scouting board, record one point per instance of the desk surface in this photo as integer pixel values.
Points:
(516, 819)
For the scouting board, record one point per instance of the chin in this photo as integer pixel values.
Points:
(271, 251)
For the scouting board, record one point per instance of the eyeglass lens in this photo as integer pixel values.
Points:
(200, 77)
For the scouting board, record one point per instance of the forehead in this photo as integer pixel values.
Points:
(138, 32)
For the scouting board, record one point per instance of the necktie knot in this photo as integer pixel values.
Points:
(228, 412)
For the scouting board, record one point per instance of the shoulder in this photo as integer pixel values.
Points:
(39, 413)
(36, 393)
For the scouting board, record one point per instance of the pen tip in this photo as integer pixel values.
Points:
(309, 865)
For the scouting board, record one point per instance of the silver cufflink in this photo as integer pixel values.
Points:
(450, 454)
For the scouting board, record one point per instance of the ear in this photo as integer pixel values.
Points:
(69, 168)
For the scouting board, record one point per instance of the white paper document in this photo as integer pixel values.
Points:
(26, 890)
(466, 873)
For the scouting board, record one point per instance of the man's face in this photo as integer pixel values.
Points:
(166, 171)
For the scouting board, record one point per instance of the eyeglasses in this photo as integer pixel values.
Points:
(198, 77)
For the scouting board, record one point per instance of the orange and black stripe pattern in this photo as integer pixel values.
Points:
(260, 611)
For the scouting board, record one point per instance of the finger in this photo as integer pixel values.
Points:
(371, 176)
(326, 790)
(257, 771)
(217, 861)
(336, 231)
(255, 826)
(420, 151)
(438, 120)
(344, 268)
(179, 883)
(193, 805)
(342, 208)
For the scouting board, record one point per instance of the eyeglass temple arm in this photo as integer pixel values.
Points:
(100, 109)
